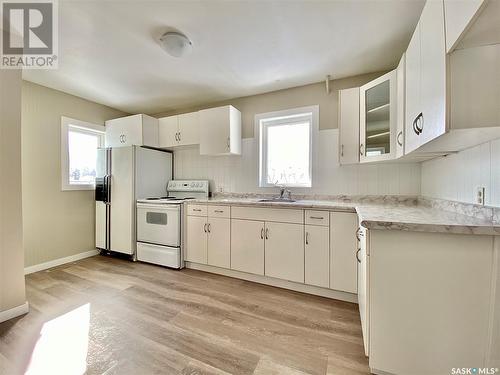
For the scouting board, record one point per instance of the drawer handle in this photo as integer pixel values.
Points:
(316, 217)
(197, 209)
(219, 211)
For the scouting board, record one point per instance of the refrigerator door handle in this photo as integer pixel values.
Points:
(107, 188)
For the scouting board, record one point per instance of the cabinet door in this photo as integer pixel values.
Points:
(343, 247)
(189, 133)
(363, 269)
(219, 242)
(285, 251)
(349, 126)
(214, 131)
(400, 119)
(168, 131)
(378, 118)
(247, 246)
(125, 131)
(196, 247)
(317, 256)
(433, 72)
(412, 90)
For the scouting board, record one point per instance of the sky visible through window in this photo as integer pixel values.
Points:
(82, 157)
(288, 154)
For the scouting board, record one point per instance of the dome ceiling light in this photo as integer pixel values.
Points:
(176, 44)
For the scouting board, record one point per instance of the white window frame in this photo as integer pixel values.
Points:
(84, 127)
(288, 116)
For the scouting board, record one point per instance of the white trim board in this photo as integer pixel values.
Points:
(58, 262)
(14, 312)
(309, 289)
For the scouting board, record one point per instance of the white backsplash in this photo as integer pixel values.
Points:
(456, 177)
(240, 174)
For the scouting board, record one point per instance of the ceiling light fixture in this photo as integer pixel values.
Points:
(175, 44)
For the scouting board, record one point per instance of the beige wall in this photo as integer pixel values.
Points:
(12, 292)
(57, 223)
(290, 98)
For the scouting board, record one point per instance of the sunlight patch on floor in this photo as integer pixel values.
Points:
(63, 345)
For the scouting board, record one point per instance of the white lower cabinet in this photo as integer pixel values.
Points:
(363, 290)
(196, 247)
(317, 256)
(219, 242)
(312, 247)
(247, 246)
(284, 251)
(343, 247)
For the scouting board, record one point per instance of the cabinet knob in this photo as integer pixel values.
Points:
(267, 233)
(357, 256)
(228, 143)
(342, 150)
(307, 238)
(262, 234)
(361, 149)
(418, 124)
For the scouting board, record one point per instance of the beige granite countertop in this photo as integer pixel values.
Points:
(382, 213)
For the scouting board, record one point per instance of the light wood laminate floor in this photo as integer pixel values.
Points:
(103, 315)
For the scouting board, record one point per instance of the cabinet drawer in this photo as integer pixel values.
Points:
(317, 217)
(282, 215)
(219, 211)
(197, 210)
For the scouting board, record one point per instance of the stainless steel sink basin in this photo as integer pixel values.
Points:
(284, 200)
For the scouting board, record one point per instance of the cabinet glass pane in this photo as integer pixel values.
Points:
(377, 114)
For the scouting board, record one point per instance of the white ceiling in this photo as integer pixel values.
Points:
(109, 53)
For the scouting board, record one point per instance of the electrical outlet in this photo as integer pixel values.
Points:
(480, 195)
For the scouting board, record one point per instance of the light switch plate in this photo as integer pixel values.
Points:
(480, 191)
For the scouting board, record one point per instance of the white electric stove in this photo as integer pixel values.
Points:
(160, 223)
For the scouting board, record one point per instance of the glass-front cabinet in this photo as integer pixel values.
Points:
(378, 118)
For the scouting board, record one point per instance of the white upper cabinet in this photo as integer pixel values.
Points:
(220, 131)
(452, 100)
(179, 130)
(458, 15)
(136, 130)
(378, 118)
(168, 131)
(349, 126)
(400, 112)
(426, 79)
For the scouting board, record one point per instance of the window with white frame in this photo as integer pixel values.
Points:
(79, 143)
(286, 146)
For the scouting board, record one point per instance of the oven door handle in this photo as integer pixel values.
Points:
(160, 207)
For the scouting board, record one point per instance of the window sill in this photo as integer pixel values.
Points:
(77, 187)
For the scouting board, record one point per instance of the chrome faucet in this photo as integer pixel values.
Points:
(284, 192)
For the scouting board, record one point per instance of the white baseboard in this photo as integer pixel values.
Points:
(14, 312)
(323, 292)
(58, 262)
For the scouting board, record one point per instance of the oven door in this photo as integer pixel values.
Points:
(159, 224)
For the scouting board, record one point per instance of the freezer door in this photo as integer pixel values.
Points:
(100, 225)
(122, 238)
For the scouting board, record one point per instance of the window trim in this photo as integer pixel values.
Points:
(85, 127)
(311, 112)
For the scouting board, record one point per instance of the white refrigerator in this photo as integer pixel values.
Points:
(123, 175)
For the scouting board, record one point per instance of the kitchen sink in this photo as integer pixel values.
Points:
(284, 200)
